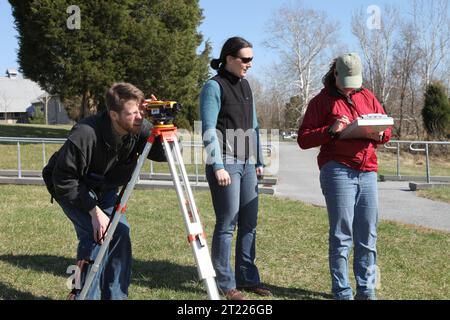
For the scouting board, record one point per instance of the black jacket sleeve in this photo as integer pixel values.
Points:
(70, 167)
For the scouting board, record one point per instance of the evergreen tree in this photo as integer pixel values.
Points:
(292, 113)
(38, 116)
(436, 111)
(152, 44)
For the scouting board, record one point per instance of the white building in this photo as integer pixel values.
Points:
(20, 96)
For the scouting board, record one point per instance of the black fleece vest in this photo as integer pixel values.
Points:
(235, 120)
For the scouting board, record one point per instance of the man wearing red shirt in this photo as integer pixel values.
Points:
(348, 175)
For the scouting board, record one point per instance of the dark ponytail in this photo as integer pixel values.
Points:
(230, 48)
(215, 64)
(329, 79)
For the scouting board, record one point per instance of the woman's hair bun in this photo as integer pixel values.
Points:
(215, 64)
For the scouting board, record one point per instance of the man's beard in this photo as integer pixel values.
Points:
(130, 129)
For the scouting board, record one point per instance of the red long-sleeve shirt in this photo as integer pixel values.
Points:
(323, 110)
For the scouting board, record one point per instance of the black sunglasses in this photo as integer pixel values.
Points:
(244, 60)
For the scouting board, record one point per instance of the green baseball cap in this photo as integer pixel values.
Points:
(349, 70)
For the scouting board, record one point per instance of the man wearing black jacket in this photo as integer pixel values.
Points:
(100, 155)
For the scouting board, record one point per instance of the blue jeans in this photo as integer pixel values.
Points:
(235, 204)
(352, 203)
(113, 278)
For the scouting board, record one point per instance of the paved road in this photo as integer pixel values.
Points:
(298, 178)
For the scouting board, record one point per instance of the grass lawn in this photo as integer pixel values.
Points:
(437, 193)
(31, 154)
(34, 130)
(31, 158)
(412, 164)
(38, 244)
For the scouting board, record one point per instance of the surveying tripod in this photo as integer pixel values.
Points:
(194, 229)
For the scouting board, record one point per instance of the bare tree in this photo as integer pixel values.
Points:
(431, 26)
(377, 43)
(404, 74)
(431, 23)
(277, 96)
(402, 55)
(301, 36)
(263, 112)
(269, 97)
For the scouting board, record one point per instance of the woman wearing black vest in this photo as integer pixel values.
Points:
(231, 138)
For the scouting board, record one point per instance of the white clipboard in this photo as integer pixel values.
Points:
(363, 126)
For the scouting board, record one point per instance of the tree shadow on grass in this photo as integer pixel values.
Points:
(53, 265)
(8, 293)
(152, 274)
(166, 274)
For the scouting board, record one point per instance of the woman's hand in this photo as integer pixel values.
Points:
(223, 177)
(340, 124)
(259, 171)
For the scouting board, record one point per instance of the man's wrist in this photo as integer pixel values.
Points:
(93, 212)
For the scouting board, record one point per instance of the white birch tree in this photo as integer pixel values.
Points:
(301, 36)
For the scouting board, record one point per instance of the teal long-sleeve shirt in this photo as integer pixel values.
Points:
(209, 111)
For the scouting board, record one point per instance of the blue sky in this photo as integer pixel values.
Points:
(8, 40)
(248, 18)
(223, 19)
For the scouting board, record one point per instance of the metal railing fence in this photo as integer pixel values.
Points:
(197, 150)
(419, 146)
